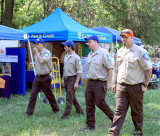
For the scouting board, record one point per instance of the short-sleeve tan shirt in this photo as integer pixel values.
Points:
(98, 64)
(46, 67)
(72, 65)
(131, 64)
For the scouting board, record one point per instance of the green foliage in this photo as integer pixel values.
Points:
(25, 15)
(142, 16)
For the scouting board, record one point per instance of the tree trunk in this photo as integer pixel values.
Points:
(9, 5)
(2, 12)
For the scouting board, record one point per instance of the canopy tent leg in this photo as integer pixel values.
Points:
(111, 50)
(116, 43)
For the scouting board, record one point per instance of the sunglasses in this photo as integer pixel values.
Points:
(126, 32)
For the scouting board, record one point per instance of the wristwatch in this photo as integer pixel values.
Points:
(145, 85)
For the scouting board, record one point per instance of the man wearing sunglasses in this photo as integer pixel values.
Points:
(132, 75)
(42, 80)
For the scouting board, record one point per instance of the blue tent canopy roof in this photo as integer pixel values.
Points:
(58, 26)
(7, 33)
(116, 34)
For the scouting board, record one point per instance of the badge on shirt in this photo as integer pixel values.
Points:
(46, 54)
(79, 62)
(109, 57)
(146, 56)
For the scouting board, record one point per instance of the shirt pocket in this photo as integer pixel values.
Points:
(97, 63)
(119, 61)
(132, 63)
(71, 65)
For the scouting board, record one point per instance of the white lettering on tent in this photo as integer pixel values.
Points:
(25, 36)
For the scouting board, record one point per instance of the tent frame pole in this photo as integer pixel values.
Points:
(31, 56)
(116, 43)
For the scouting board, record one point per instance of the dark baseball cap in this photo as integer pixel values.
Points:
(39, 40)
(93, 37)
(69, 43)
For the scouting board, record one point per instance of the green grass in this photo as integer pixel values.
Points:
(13, 121)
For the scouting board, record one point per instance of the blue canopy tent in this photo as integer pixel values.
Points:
(116, 34)
(58, 26)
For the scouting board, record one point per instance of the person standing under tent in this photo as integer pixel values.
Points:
(42, 80)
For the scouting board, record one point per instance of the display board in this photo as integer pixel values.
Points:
(7, 43)
(18, 70)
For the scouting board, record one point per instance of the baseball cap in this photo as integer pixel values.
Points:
(39, 40)
(93, 37)
(127, 33)
(69, 43)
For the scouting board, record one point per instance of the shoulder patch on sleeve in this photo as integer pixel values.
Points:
(79, 62)
(109, 57)
(46, 54)
(145, 56)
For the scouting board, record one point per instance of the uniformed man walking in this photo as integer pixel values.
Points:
(71, 76)
(132, 75)
(99, 74)
(42, 80)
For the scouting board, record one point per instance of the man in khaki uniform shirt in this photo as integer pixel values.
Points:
(42, 80)
(71, 76)
(99, 74)
(132, 75)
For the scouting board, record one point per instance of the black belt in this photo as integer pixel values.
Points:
(130, 85)
(96, 80)
(42, 75)
(66, 77)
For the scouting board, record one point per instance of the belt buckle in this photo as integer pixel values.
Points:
(65, 77)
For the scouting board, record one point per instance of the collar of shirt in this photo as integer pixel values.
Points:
(132, 48)
(70, 55)
(96, 52)
(42, 50)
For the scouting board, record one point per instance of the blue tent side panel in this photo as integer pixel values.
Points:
(12, 34)
(18, 74)
(116, 34)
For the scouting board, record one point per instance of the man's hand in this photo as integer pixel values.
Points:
(35, 50)
(144, 88)
(114, 88)
(76, 85)
(62, 82)
(109, 86)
